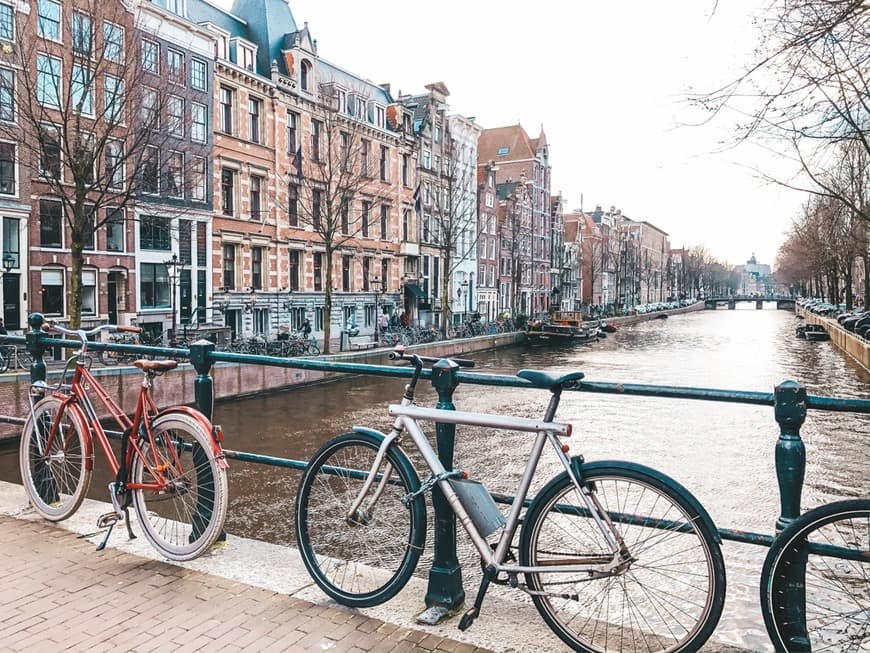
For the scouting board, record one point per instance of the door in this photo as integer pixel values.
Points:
(11, 298)
(186, 297)
(112, 290)
(200, 296)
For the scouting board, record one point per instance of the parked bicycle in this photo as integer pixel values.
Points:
(615, 556)
(171, 467)
(108, 357)
(14, 357)
(815, 583)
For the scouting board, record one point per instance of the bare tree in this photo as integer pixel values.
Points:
(91, 121)
(341, 171)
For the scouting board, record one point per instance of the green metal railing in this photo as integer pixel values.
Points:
(789, 400)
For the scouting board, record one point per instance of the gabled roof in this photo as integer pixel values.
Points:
(514, 138)
(330, 73)
(268, 22)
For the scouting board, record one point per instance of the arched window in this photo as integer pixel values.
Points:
(304, 71)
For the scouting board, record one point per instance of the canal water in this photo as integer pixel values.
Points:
(723, 453)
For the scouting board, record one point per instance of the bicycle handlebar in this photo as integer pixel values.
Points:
(399, 354)
(81, 334)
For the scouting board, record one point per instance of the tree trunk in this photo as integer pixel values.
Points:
(446, 297)
(75, 283)
(327, 303)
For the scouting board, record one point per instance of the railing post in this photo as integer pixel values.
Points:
(203, 396)
(203, 386)
(35, 347)
(444, 593)
(790, 410)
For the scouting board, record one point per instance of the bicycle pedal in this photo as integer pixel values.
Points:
(468, 619)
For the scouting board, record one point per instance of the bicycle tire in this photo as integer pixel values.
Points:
(835, 617)
(57, 483)
(626, 611)
(367, 561)
(311, 349)
(23, 359)
(184, 522)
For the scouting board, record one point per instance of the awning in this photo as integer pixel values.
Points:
(415, 290)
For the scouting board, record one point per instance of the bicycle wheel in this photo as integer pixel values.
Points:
(23, 359)
(815, 583)
(668, 599)
(185, 519)
(311, 348)
(54, 474)
(4, 362)
(367, 559)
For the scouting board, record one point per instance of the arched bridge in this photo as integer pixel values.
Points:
(782, 301)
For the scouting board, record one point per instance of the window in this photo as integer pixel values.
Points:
(406, 170)
(198, 74)
(176, 7)
(385, 160)
(113, 91)
(254, 120)
(153, 285)
(113, 42)
(82, 37)
(114, 154)
(345, 216)
(154, 232)
(502, 151)
(229, 267)
(385, 215)
(256, 196)
(149, 111)
(304, 74)
(437, 133)
(290, 131)
(228, 190)
(184, 242)
(52, 292)
(406, 224)
(318, 271)
(316, 200)
(316, 127)
(427, 159)
(366, 272)
(294, 269)
(48, 80)
(115, 230)
(202, 244)
(48, 20)
(7, 169)
(175, 111)
(198, 179)
(151, 170)
(89, 233)
(198, 122)
(379, 114)
(175, 174)
(50, 223)
(226, 110)
(49, 161)
(7, 94)
(366, 217)
(7, 24)
(385, 274)
(246, 57)
(365, 151)
(151, 57)
(293, 205)
(257, 268)
(344, 151)
(83, 89)
(345, 273)
(175, 65)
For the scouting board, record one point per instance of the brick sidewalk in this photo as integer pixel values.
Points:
(58, 594)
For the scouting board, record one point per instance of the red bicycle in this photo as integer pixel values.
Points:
(171, 467)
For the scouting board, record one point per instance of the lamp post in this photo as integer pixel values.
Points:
(463, 289)
(379, 289)
(176, 267)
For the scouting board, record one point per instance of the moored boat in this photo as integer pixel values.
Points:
(815, 332)
(563, 327)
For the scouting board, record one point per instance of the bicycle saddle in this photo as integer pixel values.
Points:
(544, 380)
(155, 366)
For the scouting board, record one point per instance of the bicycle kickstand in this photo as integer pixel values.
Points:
(119, 513)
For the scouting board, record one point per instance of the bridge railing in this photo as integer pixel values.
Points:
(789, 400)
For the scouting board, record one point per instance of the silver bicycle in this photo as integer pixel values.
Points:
(615, 556)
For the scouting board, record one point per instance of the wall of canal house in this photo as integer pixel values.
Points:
(233, 380)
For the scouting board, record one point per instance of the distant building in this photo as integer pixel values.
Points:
(755, 278)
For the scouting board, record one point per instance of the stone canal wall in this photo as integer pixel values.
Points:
(231, 380)
(854, 346)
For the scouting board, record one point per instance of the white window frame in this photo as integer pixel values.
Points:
(10, 88)
(175, 120)
(170, 69)
(11, 37)
(177, 182)
(39, 22)
(88, 90)
(110, 28)
(194, 63)
(198, 179)
(114, 113)
(15, 169)
(153, 46)
(112, 178)
(198, 129)
(56, 91)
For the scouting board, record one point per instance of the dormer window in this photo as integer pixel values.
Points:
(380, 117)
(246, 57)
(220, 47)
(304, 73)
(176, 6)
(503, 151)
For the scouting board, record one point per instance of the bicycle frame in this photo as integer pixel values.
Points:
(407, 417)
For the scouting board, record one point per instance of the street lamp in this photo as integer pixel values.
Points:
(176, 267)
(8, 263)
(463, 289)
(377, 281)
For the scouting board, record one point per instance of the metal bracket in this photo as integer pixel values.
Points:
(436, 614)
(428, 484)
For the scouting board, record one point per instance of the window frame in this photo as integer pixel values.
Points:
(197, 127)
(11, 22)
(45, 202)
(175, 122)
(41, 88)
(228, 199)
(155, 279)
(255, 106)
(146, 49)
(199, 178)
(196, 64)
(110, 29)
(175, 184)
(61, 294)
(173, 74)
(13, 165)
(57, 35)
(112, 212)
(227, 118)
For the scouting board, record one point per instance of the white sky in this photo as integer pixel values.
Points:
(607, 80)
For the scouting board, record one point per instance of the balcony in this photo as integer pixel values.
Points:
(409, 249)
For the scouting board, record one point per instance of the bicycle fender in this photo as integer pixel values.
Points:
(579, 468)
(368, 431)
(205, 423)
